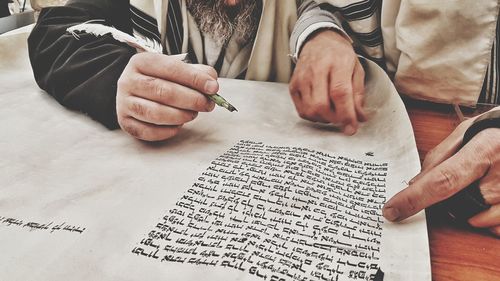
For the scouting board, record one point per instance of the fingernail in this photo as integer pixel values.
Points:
(211, 106)
(390, 213)
(349, 130)
(211, 87)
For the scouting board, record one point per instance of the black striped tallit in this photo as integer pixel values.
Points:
(367, 39)
(175, 30)
(144, 24)
(490, 92)
(147, 26)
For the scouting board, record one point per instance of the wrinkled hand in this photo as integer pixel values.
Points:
(446, 171)
(327, 85)
(157, 94)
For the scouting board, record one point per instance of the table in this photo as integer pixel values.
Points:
(457, 251)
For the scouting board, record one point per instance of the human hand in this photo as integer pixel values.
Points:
(327, 85)
(446, 171)
(157, 94)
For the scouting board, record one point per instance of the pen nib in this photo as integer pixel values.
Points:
(231, 108)
(220, 101)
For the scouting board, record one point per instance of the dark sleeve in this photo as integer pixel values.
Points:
(81, 74)
(488, 120)
(4, 8)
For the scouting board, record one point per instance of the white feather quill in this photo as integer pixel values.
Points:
(90, 27)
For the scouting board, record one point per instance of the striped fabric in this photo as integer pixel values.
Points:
(144, 25)
(367, 38)
(491, 92)
(174, 27)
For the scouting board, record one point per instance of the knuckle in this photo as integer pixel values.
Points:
(446, 184)
(129, 127)
(340, 91)
(196, 79)
(139, 109)
(411, 204)
(318, 109)
(162, 92)
(146, 82)
(154, 115)
(159, 91)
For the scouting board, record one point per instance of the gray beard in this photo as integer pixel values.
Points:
(221, 22)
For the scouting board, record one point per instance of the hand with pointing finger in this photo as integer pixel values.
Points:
(327, 85)
(447, 169)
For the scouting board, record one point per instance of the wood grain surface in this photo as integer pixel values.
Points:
(458, 252)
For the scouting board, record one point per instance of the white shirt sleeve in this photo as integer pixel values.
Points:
(308, 31)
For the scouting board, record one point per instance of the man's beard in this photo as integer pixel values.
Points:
(221, 22)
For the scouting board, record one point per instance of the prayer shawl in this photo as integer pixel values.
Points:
(167, 21)
(441, 51)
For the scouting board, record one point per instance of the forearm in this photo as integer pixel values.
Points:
(81, 74)
(311, 19)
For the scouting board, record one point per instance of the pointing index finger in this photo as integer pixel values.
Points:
(439, 183)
